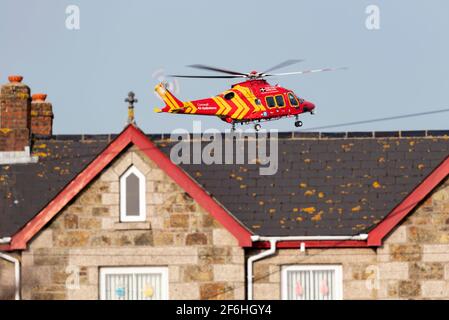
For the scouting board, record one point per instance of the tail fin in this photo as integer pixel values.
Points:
(172, 103)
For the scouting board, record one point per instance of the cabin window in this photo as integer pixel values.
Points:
(229, 95)
(292, 99)
(312, 282)
(134, 283)
(257, 102)
(270, 102)
(132, 196)
(280, 101)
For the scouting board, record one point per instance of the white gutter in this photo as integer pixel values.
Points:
(274, 240)
(16, 271)
(362, 236)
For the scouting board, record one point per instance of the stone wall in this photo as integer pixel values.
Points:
(204, 260)
(7, 288)
(413, 263)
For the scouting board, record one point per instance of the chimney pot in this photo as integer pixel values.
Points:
(15, 79)
(39, 97)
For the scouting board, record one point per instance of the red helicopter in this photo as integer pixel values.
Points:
(251, 101)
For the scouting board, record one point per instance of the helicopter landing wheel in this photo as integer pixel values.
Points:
(233, 127)
(298, 124)
(257, 127)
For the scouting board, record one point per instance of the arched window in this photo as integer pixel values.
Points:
(132, 196)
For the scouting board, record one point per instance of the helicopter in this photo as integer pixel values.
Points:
(251, 101)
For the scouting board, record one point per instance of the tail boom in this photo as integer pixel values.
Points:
(172, 104)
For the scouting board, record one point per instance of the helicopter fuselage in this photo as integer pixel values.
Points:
(247, 101)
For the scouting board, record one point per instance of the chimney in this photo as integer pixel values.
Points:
(41, 116)
(15, 107)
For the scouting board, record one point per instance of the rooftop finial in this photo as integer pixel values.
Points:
(131, 100)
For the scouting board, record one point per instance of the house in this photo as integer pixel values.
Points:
(353, 215)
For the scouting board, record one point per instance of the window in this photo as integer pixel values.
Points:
(292, 99)
(138, 283)
(312, 282)
(229, 95)
(132, 196)
(280, 101)
(257, 101)
(270, 102)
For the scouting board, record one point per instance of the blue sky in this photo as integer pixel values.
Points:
(400, 69)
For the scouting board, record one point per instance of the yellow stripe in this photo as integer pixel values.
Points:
(251, 97)
(244, 105)
(226, 105)
(170, 96)
(168, 103)
(191, 105)
(239, 107)
(261, 106)
(188, 108)
(163, 93)
(220, 106)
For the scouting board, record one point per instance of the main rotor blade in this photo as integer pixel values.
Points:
(206, 77)
(304, 72)
(204, 67)
(283, 64)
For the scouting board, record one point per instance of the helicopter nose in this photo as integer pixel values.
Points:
(309, 106)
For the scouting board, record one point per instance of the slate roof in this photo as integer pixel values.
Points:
(324, 186)
(327, 183)
(25, 189)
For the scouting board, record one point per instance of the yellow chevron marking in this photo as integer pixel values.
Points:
(242, 91)
(188, 110)
(226, 105)
(170, 97)
(246, 111)
(239, 105)
(243, 105)
(220, 106)
(251, 97)
(260, 107)
(163, 94)
(168, 102)
(190, 104)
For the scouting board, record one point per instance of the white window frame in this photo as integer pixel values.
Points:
(104, 271)
(313, 267)
(142, 195)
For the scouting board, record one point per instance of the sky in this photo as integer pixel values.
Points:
(400, 68)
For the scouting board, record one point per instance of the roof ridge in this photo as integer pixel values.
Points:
(281, 134)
